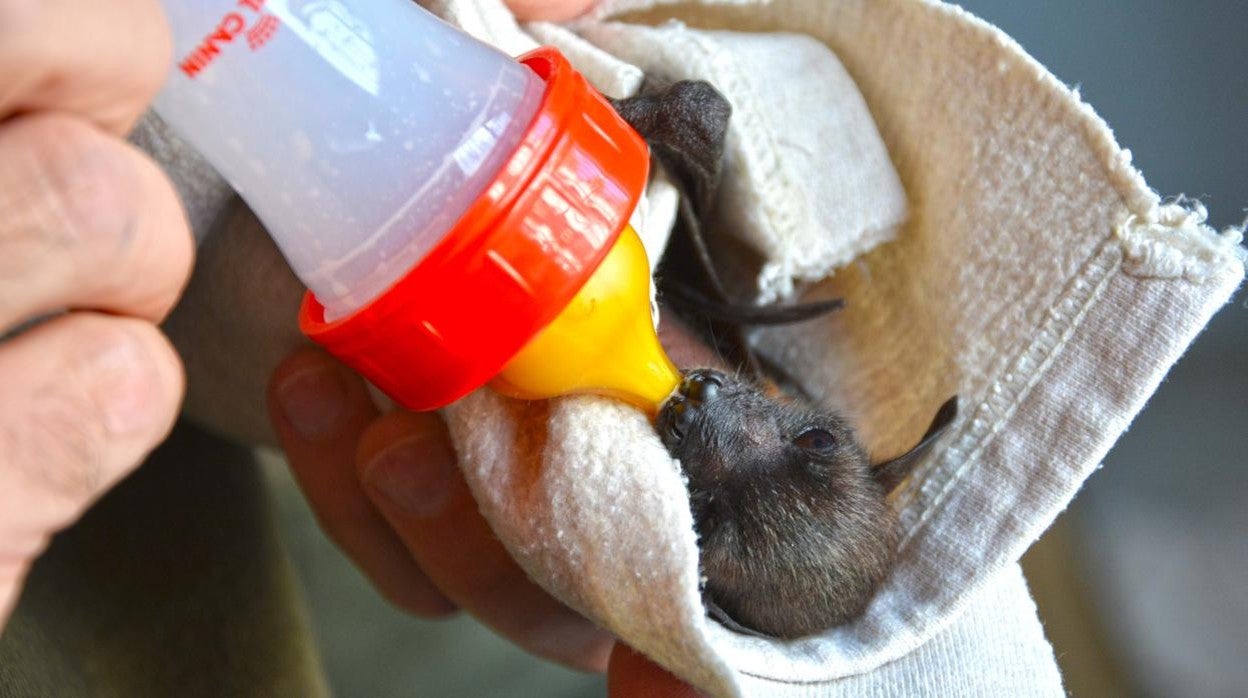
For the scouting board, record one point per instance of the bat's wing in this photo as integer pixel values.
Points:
(686, 124)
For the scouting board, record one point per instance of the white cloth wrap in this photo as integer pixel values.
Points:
(1036, 276)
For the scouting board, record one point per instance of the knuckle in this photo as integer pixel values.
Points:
(160, 243)
(102, 402)
(119, 360)
(66, 186)
(178, 257)
(85, 183)
(25, 238)
(57, 444)
(86, 213)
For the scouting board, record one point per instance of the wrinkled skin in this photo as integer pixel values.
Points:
(795, 531)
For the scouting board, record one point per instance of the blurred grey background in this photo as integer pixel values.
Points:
(1143, 585)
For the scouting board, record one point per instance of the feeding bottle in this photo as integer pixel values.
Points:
(459, 217)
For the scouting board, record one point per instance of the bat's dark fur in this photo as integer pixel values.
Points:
(795, 530)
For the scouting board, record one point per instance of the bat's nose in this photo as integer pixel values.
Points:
(702, 385)
(698, 387)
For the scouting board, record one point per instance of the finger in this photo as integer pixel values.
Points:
(631, 675)
(319, 410)
(85, 397)
(102, 61)
(409, 471)
(89, 222)
(548, 10)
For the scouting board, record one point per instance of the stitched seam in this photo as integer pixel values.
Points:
(760, 151)
(1007, 393)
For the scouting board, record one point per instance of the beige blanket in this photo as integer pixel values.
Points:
(1038, 277)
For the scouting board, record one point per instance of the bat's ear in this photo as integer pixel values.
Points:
(890, 473)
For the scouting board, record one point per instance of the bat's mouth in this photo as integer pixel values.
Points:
(673, 421)
(699, 387)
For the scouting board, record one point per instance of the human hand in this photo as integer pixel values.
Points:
(91, 227)
(387, 490)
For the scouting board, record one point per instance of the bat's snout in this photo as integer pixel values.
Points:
(702, 385)
(699, 387)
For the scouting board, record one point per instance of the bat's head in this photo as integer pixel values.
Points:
(796, 532)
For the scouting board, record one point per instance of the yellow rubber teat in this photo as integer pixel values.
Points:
(603, 342)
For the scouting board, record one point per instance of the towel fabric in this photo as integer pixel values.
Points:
(808, 183)
(1036, 276)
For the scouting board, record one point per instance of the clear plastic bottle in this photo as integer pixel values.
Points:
(458, 217)
(359, 132)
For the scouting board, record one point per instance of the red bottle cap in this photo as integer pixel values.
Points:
(511, 263)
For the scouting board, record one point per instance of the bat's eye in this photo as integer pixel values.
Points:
(815, 440)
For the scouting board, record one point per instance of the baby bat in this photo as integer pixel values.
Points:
(795, 530)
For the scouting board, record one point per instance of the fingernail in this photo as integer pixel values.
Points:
(415, 475)
(314, 401)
